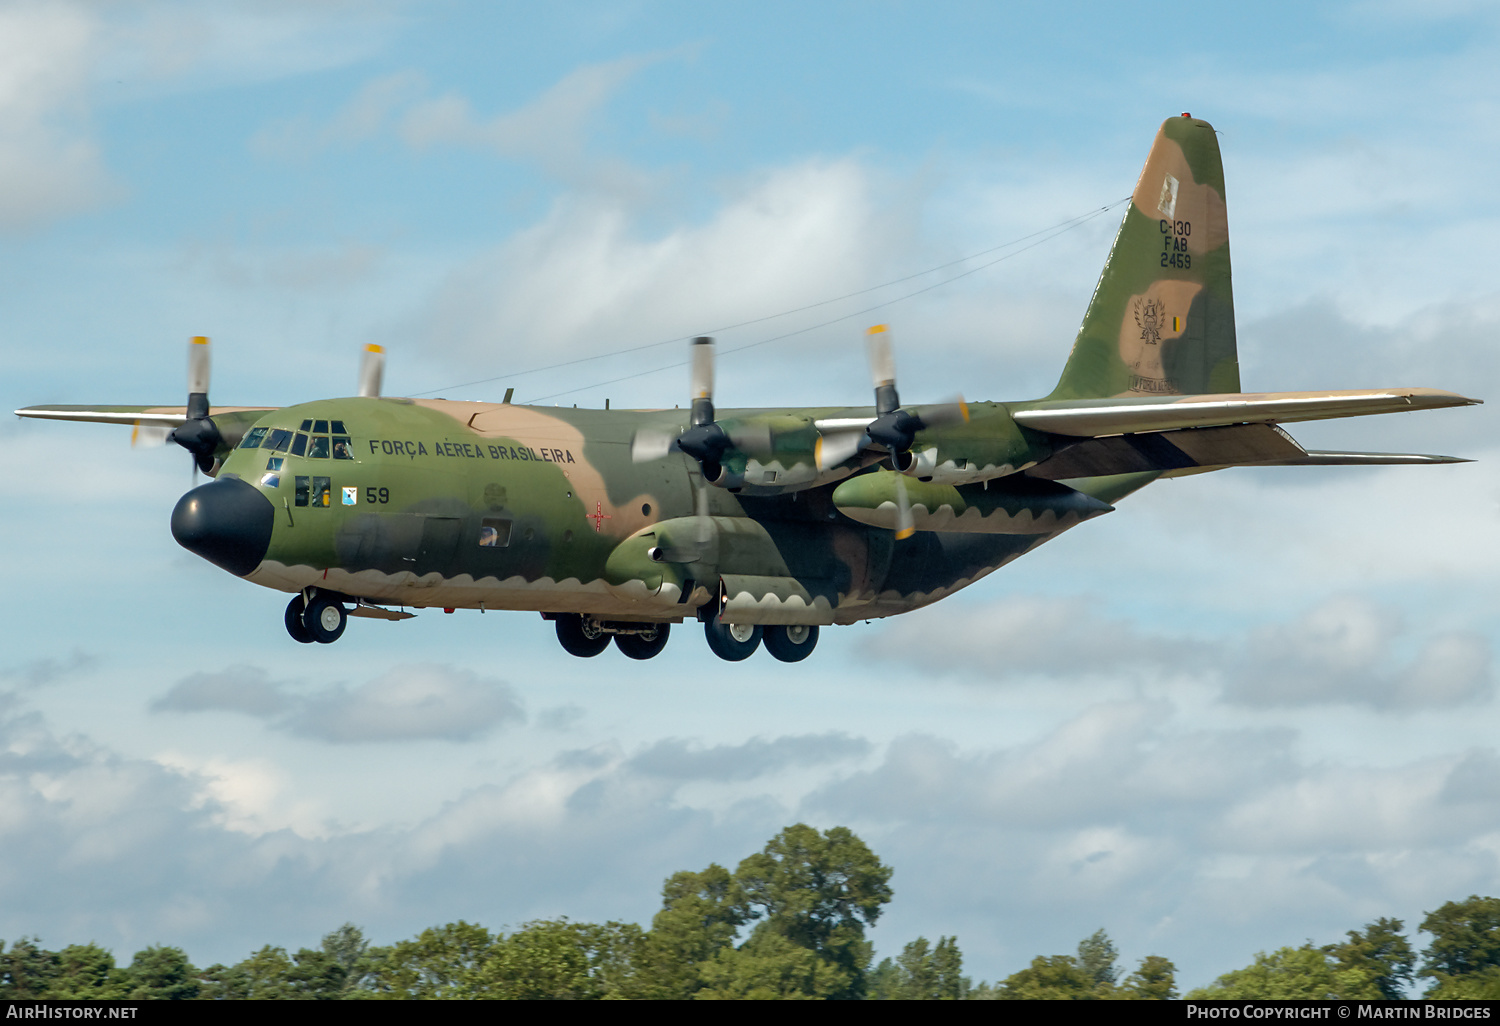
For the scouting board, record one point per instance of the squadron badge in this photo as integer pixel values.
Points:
(1150, 317)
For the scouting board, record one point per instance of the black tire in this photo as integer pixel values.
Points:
(731, 641)
(644, 646)
(325, 619)
(791, 643)
(294, 625)
(575, 640)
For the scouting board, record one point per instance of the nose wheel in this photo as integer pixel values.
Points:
(321, 618)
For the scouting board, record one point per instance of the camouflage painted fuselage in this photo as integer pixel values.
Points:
(495, 506)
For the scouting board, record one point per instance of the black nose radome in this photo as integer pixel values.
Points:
(227, 522)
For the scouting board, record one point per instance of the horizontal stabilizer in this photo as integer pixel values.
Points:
(1091, 418)
(1324, 458)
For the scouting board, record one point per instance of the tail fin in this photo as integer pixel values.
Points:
(1161, 321)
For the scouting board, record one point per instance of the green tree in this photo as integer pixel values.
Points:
(26, 970)
(770, 967)
(1382, 951)
(441, 962)
(1154, 980)
(347, 948)
(1098, 956)
(817, 892)
(87, 972)
(1049, 978)
(1463, 959)
(163, 974)
(921, 973)
(1292, 974)
(556, 960)
(700, 915)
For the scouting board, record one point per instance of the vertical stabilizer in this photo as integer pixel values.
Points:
(1161, 321)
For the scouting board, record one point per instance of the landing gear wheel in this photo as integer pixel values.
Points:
(732, 641)
(580, 637)
(294, 625)
(644, 646)
(791, 643)
(325, 619)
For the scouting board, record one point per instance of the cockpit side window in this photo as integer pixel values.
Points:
(341, 449)
(317, 449)
(299, 444)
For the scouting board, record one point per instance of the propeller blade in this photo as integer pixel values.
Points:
(956, 412)
(834, 448)
(882, 368)
(199, 367)
(701, 381)
(371, 371)
(749, 437)
(705, 526)
(648, 444)
(148, 436)
(905, 522)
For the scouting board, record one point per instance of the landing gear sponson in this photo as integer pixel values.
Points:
(587, 636)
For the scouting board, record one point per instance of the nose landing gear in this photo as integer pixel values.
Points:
(321, 618)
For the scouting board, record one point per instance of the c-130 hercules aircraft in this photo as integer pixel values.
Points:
(763, 524)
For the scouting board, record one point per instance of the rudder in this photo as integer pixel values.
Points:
(1161, 320)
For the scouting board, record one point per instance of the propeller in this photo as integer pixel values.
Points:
(893, 429)
(371, 370)
(704, 440)
(198, 434)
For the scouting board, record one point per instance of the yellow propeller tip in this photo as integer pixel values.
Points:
(373, 348)
(200, 340)
(877, 329)
(905, 533)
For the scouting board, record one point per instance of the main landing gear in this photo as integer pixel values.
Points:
(587, 636)
(320, 617)
(584, 636)
(790, 643)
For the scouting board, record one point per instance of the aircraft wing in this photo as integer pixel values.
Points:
(161, 416)
(1091, 418)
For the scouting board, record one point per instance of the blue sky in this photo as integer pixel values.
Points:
(1246, 710)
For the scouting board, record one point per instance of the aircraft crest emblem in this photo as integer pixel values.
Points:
(1150, 317)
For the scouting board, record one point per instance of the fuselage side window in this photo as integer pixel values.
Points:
(320, 492)
(303, 484)
(494, 532)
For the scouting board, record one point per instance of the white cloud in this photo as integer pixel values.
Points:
(408, 703)
(50, 164)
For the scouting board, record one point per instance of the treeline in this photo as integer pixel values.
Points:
(788, 923)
